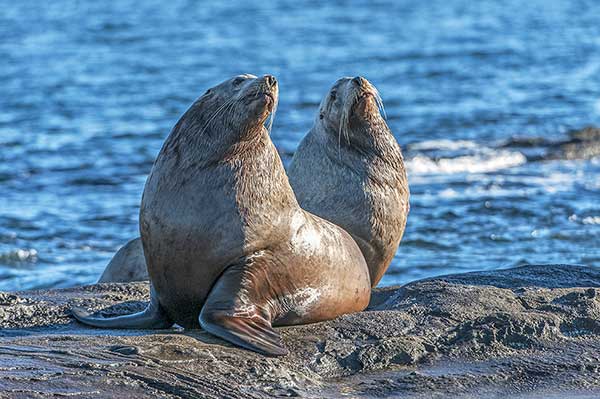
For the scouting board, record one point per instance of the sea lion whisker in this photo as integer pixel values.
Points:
(345, 117)
(272, 116)
(347, 135)
(340, 141)
(213, 116)
(354, 101)
(228, 116)
(379, 102)
(342, 122)
(222, 108)
(273, 112)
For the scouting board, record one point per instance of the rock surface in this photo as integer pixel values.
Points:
(531, 331)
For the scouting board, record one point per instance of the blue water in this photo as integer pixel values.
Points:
(89, 91)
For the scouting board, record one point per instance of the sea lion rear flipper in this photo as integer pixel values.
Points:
(153, 317)
(236, 311)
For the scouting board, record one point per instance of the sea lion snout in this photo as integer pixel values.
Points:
(360, 81)
(361, 89)
(269, 87)
(270, 80)
(362, 99)
(267, 91)
(249, 100)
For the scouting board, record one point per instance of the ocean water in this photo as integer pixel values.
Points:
(89, 91)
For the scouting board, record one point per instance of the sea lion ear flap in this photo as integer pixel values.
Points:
(236, 312)
(205, 99)
(208, 94)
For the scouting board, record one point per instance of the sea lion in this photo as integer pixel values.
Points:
(349, 170)
(127, 265)
(226, 244)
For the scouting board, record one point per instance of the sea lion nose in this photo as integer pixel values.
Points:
(359, 81)
(270, 80)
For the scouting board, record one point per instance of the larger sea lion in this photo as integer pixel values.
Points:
(349, 170)
(226, 244)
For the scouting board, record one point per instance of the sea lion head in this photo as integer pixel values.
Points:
(351, 106)
(244, 101)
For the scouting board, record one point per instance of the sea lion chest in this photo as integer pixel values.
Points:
(196, 220)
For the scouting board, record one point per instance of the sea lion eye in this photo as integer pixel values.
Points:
(333, 95)
(238, 80)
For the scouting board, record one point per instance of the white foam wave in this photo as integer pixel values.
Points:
(443, 144)
(19, 255)
(591, 220)
(480, 162)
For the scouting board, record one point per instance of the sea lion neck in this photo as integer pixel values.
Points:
(264, 196)
(249, 141)
(372, 143)
(195, 142)
(258, 159)
(375, 137)
(361, 141)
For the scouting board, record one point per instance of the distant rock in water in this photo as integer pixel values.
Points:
(581, 144)
(531, 331)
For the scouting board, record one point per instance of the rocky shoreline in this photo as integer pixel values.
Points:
(531, 331)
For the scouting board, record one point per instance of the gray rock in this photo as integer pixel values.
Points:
(531, 331)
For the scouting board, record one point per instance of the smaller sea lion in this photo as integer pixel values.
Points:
(127, 265)
(349, 170)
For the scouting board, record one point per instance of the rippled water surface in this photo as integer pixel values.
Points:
(90, 91)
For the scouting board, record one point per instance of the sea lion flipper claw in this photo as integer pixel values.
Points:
(236, 311)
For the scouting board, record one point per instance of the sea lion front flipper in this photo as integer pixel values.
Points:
(237, 311)
(153, 317)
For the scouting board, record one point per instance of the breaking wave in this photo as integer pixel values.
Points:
(473, 158)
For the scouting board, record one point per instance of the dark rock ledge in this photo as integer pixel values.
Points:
(579, 144)
(532, 331)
